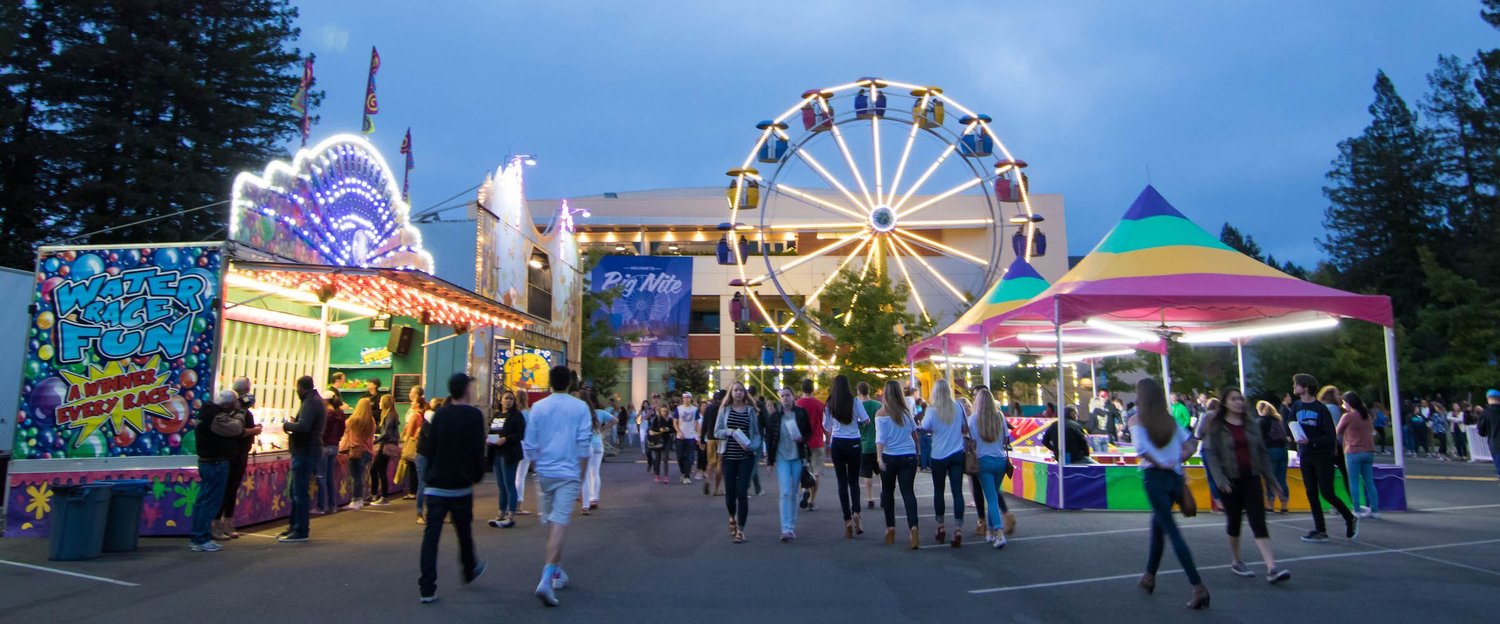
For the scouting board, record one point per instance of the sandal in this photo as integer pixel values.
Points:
(739, 537)
(942, 534)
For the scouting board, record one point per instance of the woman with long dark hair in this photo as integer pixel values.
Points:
(896, 446)
(387, 447)
(1239, 463)
(508, 429)
(1162, 447)
(659, 436)
(1273, 433)
(739, 425)
(787, 430)
(841, 419)
(945, 420)
(1356, 429)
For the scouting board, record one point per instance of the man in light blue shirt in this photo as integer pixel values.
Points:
(558, 435)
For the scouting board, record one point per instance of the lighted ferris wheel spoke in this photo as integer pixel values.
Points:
(970, 183)
(875, 141)
(838, 137)
(958, 294)
(815, 201)
(916, 186)
(870, 261)
(911, 137)
(828, 177)
(801, 260)
(945, 223)
(910, 285)
(939, 247)
(813, 298)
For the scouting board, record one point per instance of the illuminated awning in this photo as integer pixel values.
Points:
(371, 290)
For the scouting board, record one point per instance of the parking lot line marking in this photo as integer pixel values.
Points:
(1437, 560)
(1362, 553)
(1458, 508)
(67, 573)
(1438, 478)
(1029, 538)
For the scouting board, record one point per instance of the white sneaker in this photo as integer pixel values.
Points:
(561, 580)
(999, 541)
(209, 546)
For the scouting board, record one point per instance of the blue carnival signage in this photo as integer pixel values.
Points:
(651, 304)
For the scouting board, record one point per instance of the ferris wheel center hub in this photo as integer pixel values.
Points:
(883, 219)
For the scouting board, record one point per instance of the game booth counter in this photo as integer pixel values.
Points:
(1155, 278)
(322, 274)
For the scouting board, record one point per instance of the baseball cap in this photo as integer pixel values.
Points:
(1493, 394)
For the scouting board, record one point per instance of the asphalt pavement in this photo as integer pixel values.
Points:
(662, 553)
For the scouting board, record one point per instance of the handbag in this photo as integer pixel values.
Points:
(971, 452)
(807, 478)
(390, 450)
(1185, 501)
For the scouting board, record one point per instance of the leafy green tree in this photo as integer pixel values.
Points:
(1246, 244)
(870, 328)
(1458, 334)
(1385, 202)
(120, 111)
(690, 376)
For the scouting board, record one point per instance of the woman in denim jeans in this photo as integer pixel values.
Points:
(1162, 447)
(1273, 433)
(1356, 429)
(787, 454)
(988, 430)
(333, 433)
(896, 448)
(359, 444)
(945, 421)
(507, 429)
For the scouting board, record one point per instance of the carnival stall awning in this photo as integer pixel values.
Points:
(1018, 285)
(393, 291)
(1157, 269)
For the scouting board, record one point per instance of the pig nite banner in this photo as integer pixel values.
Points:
(121, 350)
(653, 297)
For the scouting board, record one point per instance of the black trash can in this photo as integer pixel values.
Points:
(122, 529)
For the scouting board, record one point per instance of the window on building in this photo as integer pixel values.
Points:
(539, 285)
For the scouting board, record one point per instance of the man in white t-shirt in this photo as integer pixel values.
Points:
(559, 434)
(687, 423)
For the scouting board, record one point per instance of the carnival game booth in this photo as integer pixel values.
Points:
(1158, 276)
(322, 274)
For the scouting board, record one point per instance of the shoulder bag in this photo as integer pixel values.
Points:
(971, 452)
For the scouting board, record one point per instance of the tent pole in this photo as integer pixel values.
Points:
(1166, 375)
(987, 365)
(1390, 374)
(1094, 378)
(1239, 352)
(1062, 410)
(947, 361)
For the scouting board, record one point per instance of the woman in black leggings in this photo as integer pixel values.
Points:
(896, 448)
(1239, 463)
(841, 419)
(658, 438)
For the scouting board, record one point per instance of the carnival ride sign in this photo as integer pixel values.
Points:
(121, 351)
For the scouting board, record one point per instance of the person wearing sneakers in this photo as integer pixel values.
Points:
(359, 444)
(220, 427)
(1239, 463)
(867, 458)
(453, 445)
(987, 427)
(816, 444)
(1356, 430)
(787, 430)
(305, 437)
(687, 424)
(559, 432)
(896, 447)
(1314, 430)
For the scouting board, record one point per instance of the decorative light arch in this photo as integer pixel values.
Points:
(336, 204)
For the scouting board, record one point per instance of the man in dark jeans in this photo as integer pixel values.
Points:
(1313, 427)
(453, 448)
(305, 437)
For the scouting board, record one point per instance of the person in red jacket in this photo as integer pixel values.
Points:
(816, 444)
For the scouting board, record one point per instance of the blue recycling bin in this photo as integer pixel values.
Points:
(79, 513)
(122, 528)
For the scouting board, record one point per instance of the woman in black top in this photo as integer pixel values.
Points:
(505, 456)
(387, 445)
(659, 439)
(739, 426)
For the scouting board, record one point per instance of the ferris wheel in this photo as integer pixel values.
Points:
(817, 182)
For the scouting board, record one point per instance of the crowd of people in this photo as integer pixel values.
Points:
(890, 436)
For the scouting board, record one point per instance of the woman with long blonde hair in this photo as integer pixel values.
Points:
(987, 426)
(358, 444)
(387, 446)
(946, 422)
(412, 464)
(1162, 446)
(1273, 433)
(896, 450)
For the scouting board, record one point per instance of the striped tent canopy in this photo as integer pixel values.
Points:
(1018, 285)
(1158, 268)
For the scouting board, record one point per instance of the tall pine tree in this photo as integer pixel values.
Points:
(145, 112)
(1385, 203)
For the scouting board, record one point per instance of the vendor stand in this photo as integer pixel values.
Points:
(322, 273)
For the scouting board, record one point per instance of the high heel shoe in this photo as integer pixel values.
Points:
(942, 534)
(981, 529)
(1200, 598)
(859, 529)
(890, 535)
(958, 538)
(1148, 583)
(916, 541)
(733, 527)
(848, 529)
(1008, 523)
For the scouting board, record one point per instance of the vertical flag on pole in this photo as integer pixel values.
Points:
(299, 101)
(371, 106)
(410, 164)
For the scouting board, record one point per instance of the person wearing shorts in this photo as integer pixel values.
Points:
(817, 444)
(559, 434)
